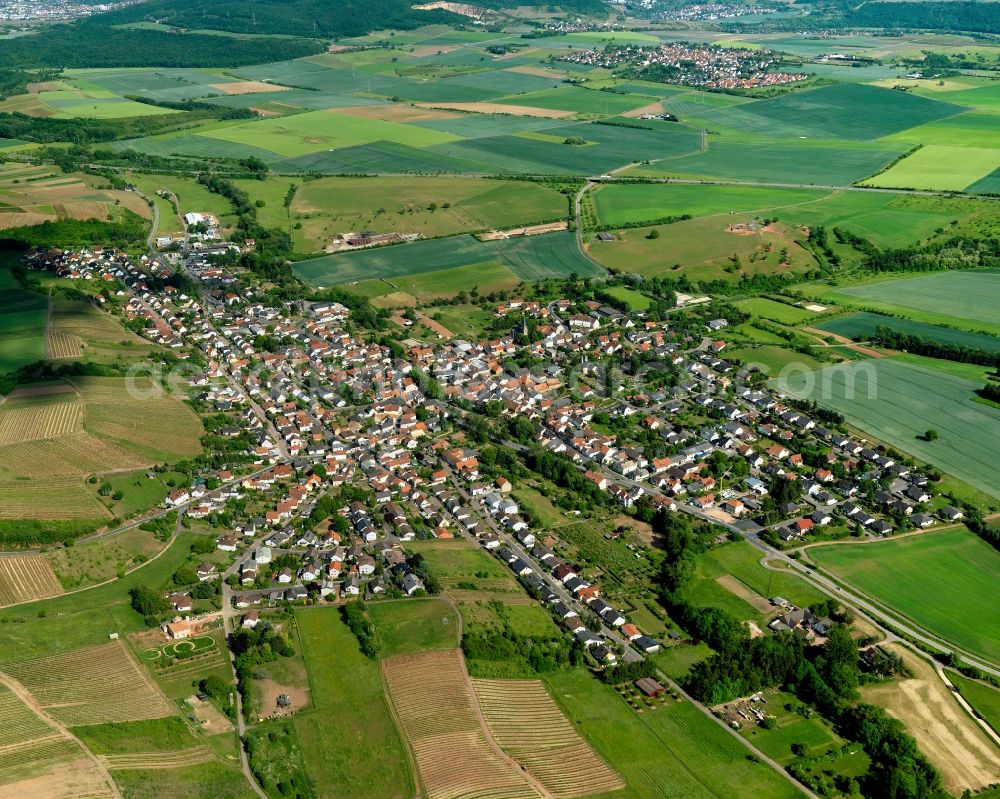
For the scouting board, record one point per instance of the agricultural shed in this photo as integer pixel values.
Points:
(649, 686)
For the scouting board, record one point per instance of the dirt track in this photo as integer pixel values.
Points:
(851, 345)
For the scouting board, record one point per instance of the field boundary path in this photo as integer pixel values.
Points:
(26, 696)
(228, 622)
(990, 732)
(481, 717)
(845, 341)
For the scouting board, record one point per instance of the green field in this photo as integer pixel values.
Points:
(940, 168)
(947, 581)
(528, 257)
(338, 205)
(960, 295)
(581, 101)
(321, 130)
(897, 401)
(635, 300)
(703, 249)
(985, 699)
(349, 716)
(414, 625)
(862, 325)
(456, 558)
(791, 728)
(22, 322)
(776, 311)
(75, 621)
(743, 562)
(840, 111)
(831, 164)
(618, 204)
(485, 278)
(674, 752)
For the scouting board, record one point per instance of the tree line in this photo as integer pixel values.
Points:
(885, 336)
(93, 43)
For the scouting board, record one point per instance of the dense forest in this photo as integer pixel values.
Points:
(93, 43)
(982, 17)
(82, 130)
(305, 17)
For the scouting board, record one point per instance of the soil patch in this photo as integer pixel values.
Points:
(271, 690)
(499, 108)
(249, 87)
(949, 738)
(735, 587)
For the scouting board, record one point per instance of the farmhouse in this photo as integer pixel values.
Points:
(177, 630)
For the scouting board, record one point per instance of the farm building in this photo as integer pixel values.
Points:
(649, 686)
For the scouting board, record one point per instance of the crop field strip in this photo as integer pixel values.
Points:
(864, 324)
(35, 757)
(74, 454)
(960, 572)
(93, 686)
(437, 714)
(159, 760)
(962, 295)
(530, 727)
(24, 578)
(47, 421)
(897, 401)
(20, 499)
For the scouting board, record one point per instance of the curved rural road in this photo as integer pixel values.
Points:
(868, 606)
(25, 696)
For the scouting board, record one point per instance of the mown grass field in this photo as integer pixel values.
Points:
(703, 249)
(897, 400)
(350, 716)
(671, 752)
(947, 581)
(414, 625)
(791, 728)
(985, 699)
(776, 311)
(941, 168)
(864, 324)
(339, 205)
(635, 300)
(742, 562)
(960, 295)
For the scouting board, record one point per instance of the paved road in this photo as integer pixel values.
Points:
(630, 655)
(229, 619)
